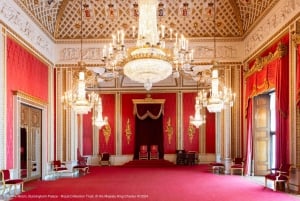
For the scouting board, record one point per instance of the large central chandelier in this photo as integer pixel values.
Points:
(149, 61)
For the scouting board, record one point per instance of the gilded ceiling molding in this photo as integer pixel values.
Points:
(260, 62)
(30, 98)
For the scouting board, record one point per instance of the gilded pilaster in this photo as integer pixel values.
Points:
(118, 121)
(179, 136)
(3, 99)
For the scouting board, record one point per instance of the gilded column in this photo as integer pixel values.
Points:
(118, 122)
(179, 140)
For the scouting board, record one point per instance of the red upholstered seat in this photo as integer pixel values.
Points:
(143, 152)
(81, 160)
(237, 164)
(9, 182)
(281, 174)
(58, 166)
(154, 154)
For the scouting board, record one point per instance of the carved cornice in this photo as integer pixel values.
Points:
(148, 100)
(30, 98)
(296, 38)
(260, 62)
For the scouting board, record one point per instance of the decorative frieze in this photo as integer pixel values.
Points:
(17, 20)
(271, 24)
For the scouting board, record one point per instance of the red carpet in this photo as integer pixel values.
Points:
(149, 163)
(176, 183)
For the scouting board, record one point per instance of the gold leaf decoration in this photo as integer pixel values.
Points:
(128, 131)
(169, 130)
(107, 132)
(191, 132)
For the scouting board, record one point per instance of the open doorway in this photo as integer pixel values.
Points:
(264, 133)
(30, 142)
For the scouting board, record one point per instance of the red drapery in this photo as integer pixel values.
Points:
(275, 74)
(149, 127)
(249, 145)
(282, 110)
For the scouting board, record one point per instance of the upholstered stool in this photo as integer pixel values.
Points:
(217, 167)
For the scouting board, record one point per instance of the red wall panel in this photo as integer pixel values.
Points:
(109, 105)
(25, 73)
(127, 114)
(189, 110)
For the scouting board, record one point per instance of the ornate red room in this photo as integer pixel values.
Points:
(204, 87)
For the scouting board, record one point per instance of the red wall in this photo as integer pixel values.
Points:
(108, 107)
(188, 110)
(25, 73)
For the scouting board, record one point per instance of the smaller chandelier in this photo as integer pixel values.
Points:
(216, 98)
(99, 121)
(76, 98)
(198, 119)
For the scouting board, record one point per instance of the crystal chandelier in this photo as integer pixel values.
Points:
(76, 97)
(198, 118)
(216, 98)
(98, 121)
(149, 61)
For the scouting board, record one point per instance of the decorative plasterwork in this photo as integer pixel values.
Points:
(260, 62)
(296, 38)
(271, 24)
(148, 100)
(193, 18)
(17, 20)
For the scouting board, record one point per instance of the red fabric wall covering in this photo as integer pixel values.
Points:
(108, 105)
(127, 113)
(188, 110)
(210, 132)
(87, 136)
(25, 73)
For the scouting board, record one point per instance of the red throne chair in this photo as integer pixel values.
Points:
(143, 152)
(154, 154)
